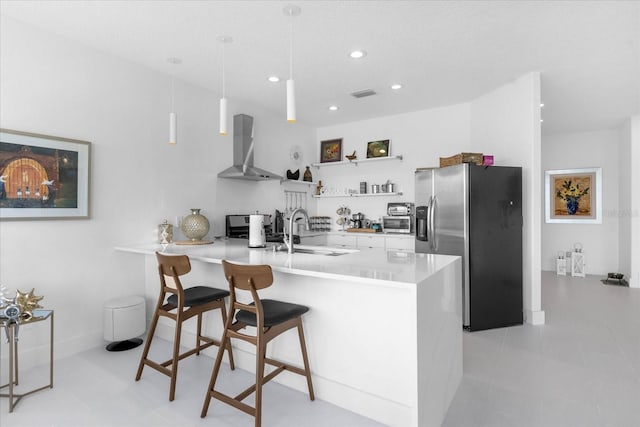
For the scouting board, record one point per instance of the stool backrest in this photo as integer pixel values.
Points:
(243, 276)
(170, 268)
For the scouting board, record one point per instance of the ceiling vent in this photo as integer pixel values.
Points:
(363, 93)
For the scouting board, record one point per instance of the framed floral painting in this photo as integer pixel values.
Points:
(573, 196)
(330, 150)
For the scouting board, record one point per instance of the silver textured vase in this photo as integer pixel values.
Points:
(195, 226)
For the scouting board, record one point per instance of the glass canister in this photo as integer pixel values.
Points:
(165, 232)
(195, 226)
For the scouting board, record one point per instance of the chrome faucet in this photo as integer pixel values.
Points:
(289, 240)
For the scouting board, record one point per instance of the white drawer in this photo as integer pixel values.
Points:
(370, 241)
(401, 243)
(341, 240)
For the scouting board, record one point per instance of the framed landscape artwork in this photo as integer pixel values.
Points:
(573, 196)
(331, 150)
(378, 149)
(43, 177)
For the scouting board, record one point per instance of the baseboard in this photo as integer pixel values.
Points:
(534, 317)
(33, 354)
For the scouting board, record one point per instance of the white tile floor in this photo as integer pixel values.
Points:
(582, 368)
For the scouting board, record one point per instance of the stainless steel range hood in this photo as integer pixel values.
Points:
(243, 153)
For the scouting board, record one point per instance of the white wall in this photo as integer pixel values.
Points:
(634, 255)
(421, 137)
(599, 241)
(506, 123)
(629, 213)
(624, 200)
(55, 87)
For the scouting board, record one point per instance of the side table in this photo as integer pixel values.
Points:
(11, 329)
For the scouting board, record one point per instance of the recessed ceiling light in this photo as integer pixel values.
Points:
(541, 104)
(273, 79)
(334, 108)
(357, 54)
(396, 86)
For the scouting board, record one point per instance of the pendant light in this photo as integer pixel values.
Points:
(173, 118)
(223, 101)
(292, 11)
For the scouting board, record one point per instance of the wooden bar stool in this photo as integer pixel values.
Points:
(181, 305)
(270, 318)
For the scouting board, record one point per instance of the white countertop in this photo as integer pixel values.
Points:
(371, 265)
(351, 233)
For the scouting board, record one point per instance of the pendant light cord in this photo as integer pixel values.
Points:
(291, 49)
(173, 92)
(224, 84)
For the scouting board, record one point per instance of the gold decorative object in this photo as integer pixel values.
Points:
(195, 226)
(27, 303)
(165, 232)
(352, 156)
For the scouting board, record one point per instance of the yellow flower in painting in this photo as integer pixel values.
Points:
(571, 191)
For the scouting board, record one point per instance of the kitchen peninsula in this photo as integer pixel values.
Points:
(384, 330)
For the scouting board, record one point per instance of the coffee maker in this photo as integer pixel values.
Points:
(357, 219)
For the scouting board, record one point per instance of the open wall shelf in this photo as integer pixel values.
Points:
(356, 161)
(296, 182)
(329, 196)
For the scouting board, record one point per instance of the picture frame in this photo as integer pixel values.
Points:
(331, 150)
(573, 196)
(377, 149)
(43, 176)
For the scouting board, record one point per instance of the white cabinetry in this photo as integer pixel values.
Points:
(405, 243)
(342, 241)
(370, 241)
(366, 240)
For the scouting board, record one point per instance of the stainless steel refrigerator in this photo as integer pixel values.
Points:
(476, 212)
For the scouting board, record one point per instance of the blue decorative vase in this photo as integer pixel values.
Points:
(572, 206)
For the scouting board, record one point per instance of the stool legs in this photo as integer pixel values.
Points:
(261, 347)
(260, 356)
(147, 344)
(232, 365)
(214, 375)
(305, 359)
(176, 357)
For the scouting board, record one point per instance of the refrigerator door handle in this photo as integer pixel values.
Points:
(432, 223)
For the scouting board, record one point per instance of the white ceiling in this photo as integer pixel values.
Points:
(444, 52)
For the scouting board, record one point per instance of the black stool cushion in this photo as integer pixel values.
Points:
(275, 312)
(199, 295)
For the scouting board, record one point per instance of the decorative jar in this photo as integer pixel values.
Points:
(195, 226)
(165, 232)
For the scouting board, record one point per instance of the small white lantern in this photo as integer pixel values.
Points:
(561, 264)
(577, 261)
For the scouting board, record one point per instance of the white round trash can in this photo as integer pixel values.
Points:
(124, 320)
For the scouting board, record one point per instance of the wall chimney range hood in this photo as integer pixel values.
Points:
(243, 153)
